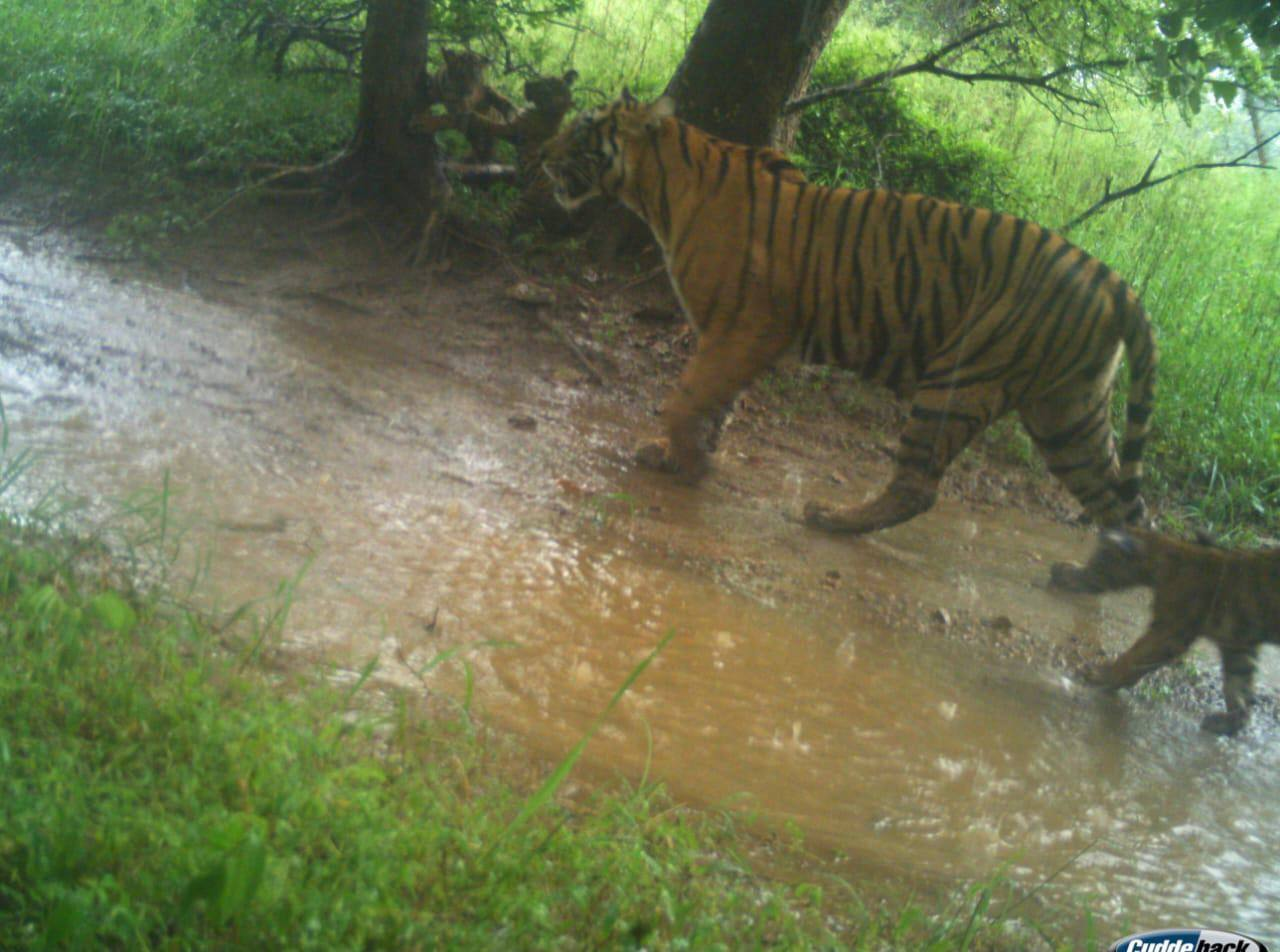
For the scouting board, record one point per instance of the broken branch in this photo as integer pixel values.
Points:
(1146, 181)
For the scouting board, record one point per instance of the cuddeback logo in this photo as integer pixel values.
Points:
(1188, 940)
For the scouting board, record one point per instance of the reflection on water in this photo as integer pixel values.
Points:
(903, 754)
(412, 496)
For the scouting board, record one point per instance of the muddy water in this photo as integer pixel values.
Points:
(811, 679)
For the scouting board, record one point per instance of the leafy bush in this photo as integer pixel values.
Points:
(136, 105)
(885, 139)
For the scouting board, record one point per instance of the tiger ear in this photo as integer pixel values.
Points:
(1206, 538)
(661, 109)
(1122, 541)
(627, 99)
(571, 77)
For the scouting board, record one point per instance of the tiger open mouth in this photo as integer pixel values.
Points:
(568, 188)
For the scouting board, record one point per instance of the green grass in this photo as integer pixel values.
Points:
(157, 793)
(160, 788)
(134, 100)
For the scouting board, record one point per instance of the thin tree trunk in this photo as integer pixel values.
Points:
(1251, 103)
(746, 60)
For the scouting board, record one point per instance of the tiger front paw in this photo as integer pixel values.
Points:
(1224, 723)
(819, 515)
(657, 454)
(1098, 676)
(1070, 577)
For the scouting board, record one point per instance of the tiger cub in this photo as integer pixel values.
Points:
(550, 98)
(1231, 597)
(459, 85)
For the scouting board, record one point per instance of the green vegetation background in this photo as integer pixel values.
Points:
(159, 790)
(141, 108)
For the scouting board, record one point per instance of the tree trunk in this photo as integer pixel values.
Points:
(1251, 103)
(746, 60)
(384, 157)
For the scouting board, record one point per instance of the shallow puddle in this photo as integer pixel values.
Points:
(378, 449)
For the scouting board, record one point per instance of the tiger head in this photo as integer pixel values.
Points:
(551, 94)
(591, 156)
(1119, 561)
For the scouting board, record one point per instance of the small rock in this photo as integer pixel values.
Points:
(526, 292)
(655, 315)
(1000, 623)
(942, 617)
(522, 421)
(569, 377)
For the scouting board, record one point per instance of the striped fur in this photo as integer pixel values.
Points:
(966, 312)
(1230, 597)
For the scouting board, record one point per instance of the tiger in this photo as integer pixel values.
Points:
(468, 101)
(549, 97)
(1231, 597)
(965, 312)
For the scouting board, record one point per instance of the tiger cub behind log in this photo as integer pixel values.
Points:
(469, 101)
(1231, 597)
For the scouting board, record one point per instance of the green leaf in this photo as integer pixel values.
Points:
(113, 612)
(1260, 27)
(1226, 92)
(67, 924)
(1170, 24)
(207, 888)
(244, 869)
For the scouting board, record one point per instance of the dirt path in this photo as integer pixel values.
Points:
(440, 456)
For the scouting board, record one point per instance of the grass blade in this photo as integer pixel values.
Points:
(557, 777)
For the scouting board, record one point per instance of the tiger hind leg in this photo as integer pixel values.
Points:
(1238, 665)
(1072, 431)
(1164, 641)
(940, 426)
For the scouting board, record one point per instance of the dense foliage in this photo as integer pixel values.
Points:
(317, 33)
(885, 139)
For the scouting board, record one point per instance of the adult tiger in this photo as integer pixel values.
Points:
(967, 312)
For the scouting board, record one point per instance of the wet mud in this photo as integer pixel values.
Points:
(437, 452)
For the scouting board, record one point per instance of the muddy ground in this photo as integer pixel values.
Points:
(446, 451)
